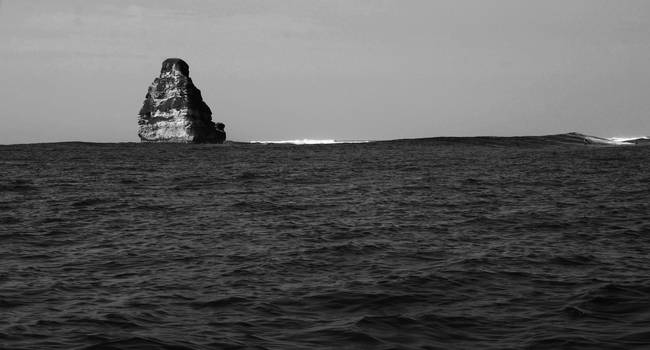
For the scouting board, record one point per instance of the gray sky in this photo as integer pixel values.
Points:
(322, 69)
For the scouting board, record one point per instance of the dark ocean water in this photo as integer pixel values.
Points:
(422, 244)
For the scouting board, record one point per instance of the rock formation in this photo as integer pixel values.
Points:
(174, 111)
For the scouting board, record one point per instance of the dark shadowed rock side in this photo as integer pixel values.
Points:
(174, 111)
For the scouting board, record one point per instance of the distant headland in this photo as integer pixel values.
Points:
(174, 111)
(571, 138)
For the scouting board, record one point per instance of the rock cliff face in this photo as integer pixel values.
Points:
(174, 111)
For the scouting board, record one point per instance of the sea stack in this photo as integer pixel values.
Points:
(174, 111)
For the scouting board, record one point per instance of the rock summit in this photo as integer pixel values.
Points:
(174, 111)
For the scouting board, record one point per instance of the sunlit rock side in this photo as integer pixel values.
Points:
(174, 111)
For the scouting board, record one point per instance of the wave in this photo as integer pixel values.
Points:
(310, 142)
(571, 138)
(626, 140)
(567, 138)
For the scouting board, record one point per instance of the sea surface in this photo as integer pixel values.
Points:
(466, 243)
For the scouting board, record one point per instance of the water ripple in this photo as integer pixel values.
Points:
(429, 244)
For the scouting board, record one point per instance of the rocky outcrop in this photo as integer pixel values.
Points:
(174, 111)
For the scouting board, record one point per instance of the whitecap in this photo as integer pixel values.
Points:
(310, 142)
(625, 140)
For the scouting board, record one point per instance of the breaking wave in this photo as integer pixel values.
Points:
(557, 139)
(310, 142)
(627, 140)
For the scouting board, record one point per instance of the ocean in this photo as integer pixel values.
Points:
(447, 243)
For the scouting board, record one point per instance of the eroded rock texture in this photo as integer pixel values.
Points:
(174, 110)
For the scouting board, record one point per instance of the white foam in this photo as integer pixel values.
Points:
(625, 140)
(309, 142)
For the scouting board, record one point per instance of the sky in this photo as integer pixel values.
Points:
(78, 70)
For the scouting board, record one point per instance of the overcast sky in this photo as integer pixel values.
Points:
(330, 69)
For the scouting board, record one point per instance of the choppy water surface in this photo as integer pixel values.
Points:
(393, 245)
